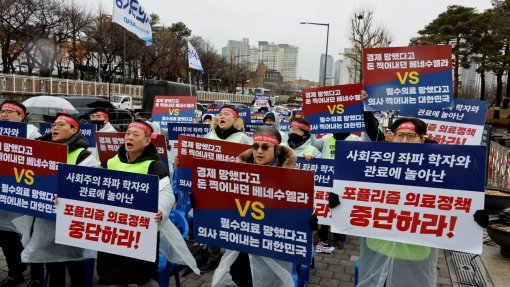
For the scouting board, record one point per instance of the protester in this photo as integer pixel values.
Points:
(300, 139)
(138, 155)
(101, 118)
(207, 119)
(252, 270)
(228, 126)
(272, 119)
(10, 240)
(41, 246)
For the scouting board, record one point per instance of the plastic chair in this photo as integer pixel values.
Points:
(168, 269)
(301, 274)
(356, 267)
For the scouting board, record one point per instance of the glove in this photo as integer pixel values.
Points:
(313, 222)
(192, 200)
(482, 217)
(333, 200)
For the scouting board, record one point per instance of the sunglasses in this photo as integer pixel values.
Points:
(264, 147)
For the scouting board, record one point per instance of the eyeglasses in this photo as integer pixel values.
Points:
(7, 112)
(58, 125)
(409, 136)
(264, 147)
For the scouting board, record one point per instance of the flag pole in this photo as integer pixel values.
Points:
(190, 90)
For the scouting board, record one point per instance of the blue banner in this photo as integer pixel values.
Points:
(245, 115)
(324, 170)
(103, 186)
(464, 111)
(427, 165)
(194, 130)
(87, 130)
(13, 129)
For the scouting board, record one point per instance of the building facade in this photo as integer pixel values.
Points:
(329, 70)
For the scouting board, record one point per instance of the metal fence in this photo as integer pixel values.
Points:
(499, 166)
(34, 85)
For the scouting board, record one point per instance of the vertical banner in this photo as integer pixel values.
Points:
(173, 109)
(108, 211)
(13, 129)
(334, 109)
(461, 125)
(260, 210)
(324, 171)
(108, 144)
(410, 193)
(408, 78)
(28, 175)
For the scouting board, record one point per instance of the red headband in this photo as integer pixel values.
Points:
(143, 127)
(103, 114)
(70, 120)
(406, 125)
(14, 107)
(299, 125)
(232, 111)
(266, 138)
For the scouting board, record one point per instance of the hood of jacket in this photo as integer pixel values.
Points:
(149, 153)
(287, 157)
(76, 141)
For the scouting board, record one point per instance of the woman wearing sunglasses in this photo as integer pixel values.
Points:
(247, 269)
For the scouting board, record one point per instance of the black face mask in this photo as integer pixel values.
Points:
(99, 124)
(295, 139)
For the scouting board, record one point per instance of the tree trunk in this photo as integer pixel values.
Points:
(499, 91)
(482, 86)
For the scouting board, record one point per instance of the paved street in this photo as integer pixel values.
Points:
(337, 269)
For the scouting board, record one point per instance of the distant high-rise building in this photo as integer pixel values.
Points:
(268, 53)
(238, 51)
(282, 58)
(338, 65)
(347, 69)
(329, 70)
(469, 77)
(287, 63)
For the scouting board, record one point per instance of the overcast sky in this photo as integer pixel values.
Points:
(278, 21)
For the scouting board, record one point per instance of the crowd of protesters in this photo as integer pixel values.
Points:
(27, 240)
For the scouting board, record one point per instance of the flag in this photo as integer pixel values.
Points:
(130, 15)
(193, 59)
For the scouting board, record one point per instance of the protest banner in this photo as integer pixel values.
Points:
(410, 193)
(284, 127)
(28, 173)
(324, 170)
(261, 101)
(260, 210)
(334, 109)
(176, 129)
(108, 145)
(173, 109)
(403, 78)
(461, 125)
(193, 147)
(245, 115)
(257, 117)
(13, 129)
(108, 211)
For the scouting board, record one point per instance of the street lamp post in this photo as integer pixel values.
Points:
(327, 40)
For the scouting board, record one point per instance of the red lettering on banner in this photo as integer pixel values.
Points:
(404, 221)
(322, 210)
